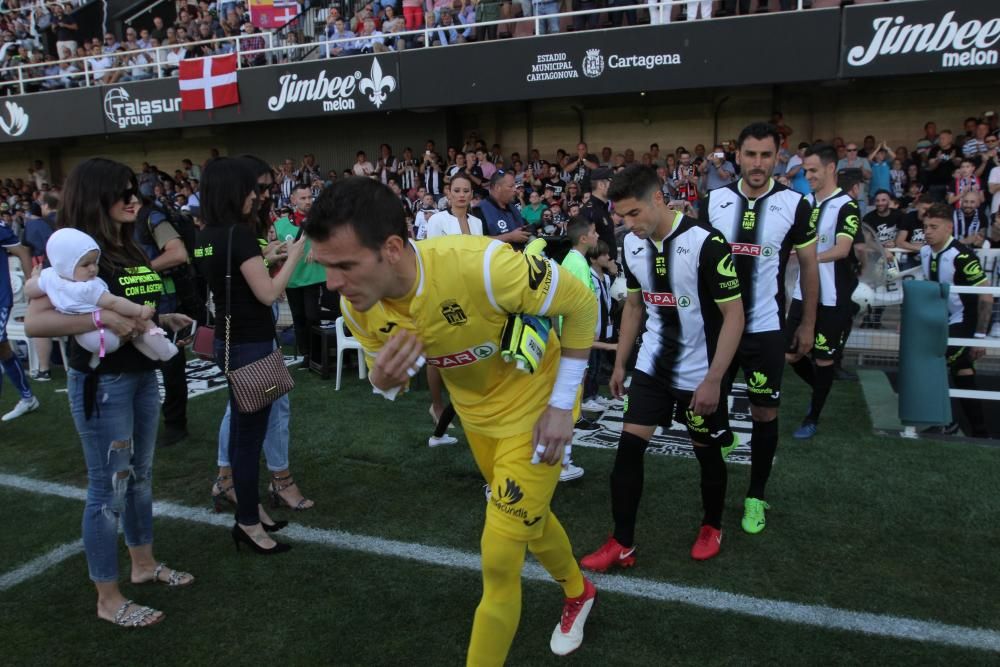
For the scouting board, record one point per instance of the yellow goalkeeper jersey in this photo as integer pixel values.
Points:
(465, 289)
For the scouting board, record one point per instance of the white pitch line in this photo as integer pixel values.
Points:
(827, 618)
(35, 567)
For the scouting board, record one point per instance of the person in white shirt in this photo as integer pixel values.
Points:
(456, 220)
(362, 167)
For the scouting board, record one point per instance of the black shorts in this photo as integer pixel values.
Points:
(761, 356)
(833, 323)
(653, 402)
(959, 358)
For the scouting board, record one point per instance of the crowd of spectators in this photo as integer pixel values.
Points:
(51, 41)
(373, 26)
(48, 39)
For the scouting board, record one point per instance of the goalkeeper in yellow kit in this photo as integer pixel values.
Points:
(445, 302)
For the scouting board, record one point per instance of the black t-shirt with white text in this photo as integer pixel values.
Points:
(251, 320)
(139, 284)
(885, 227)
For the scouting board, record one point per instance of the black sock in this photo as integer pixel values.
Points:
(713, 484)
(972, 407)
(447, 415)
(626, 486)
(806, 370)
(821, 389)
(763, 443)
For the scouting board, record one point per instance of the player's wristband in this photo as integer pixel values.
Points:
(568, 381)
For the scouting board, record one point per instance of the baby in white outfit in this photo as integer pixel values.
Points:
(72, 285)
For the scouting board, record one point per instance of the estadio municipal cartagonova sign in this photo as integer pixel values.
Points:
(915, 37)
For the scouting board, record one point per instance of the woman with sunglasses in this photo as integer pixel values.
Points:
(229, 208)
(283, 488)
(116, 405)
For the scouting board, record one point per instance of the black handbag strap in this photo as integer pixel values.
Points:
(229, 284)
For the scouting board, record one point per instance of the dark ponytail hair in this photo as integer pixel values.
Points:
(225, 185)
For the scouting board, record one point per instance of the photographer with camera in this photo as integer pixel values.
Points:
(716, 170)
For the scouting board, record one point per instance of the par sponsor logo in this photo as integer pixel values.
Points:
(126, 111)
(961, 43)
(465, 357)
(660, 299)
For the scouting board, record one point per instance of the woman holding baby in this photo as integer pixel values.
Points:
(103, 293)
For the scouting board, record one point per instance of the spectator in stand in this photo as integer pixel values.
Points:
(99, 64)
(340, 40)
(897, 179)
(684, 179)
(964, 180)
(716, 170)
(975, 146)
(941, 166)
(852, 161)
(500, 218)
(413, 14)
(881, 177)
(362, 167)
(370, 39)
(487, 10)
(252, 41)
(159, 31)
(884, 219)
(970, 220)
(387, 165)
(66, 30)
(910, 233)
(111, 44)
(532, 211)
(446, 33)
(580, 166)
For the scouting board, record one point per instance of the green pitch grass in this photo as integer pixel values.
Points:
(859, 522)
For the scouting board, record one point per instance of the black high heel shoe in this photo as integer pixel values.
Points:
(274, 527)
(239, 535)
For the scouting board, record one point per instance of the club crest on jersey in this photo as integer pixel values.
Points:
(453, 313)
(660, 299)
(661, 266)
(749, 220)
(465, 357)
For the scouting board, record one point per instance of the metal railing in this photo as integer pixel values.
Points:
(158, 65)
(422, 37)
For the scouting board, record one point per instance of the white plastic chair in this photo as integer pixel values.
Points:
(15, 325)
(344, 343)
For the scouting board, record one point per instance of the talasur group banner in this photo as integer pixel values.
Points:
(49, 115)
(920, 37)
(792, 46)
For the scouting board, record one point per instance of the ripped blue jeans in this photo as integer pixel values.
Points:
(118, 444)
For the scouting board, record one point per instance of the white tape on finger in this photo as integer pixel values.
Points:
(536, 458)
(567, 455)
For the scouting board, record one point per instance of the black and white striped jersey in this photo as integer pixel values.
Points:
(681, 282)
(761, 233)
(956, 264)
(837, 215)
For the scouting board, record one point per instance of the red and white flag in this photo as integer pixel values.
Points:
(273, 14)
(208, 83)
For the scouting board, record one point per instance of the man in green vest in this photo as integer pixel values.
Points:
(306, 284)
